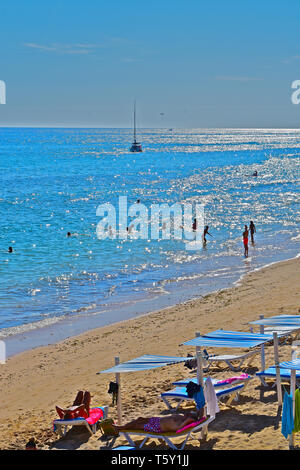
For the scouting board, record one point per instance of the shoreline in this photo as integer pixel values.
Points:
(35, 381)
(60, 329)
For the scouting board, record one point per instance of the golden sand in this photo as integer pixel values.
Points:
(33, 382)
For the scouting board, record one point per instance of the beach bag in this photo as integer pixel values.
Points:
(113, 390)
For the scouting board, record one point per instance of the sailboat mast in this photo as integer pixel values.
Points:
(134, 132)
(136, 146)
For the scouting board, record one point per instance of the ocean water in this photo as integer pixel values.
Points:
(52, 181)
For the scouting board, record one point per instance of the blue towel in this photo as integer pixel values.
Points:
(287, 419)
(195, 391)
(199, 399)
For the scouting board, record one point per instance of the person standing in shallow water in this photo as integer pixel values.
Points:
(245, 241)
(206, 232)
(252, 230)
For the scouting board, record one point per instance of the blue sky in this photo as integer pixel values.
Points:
(203, 64)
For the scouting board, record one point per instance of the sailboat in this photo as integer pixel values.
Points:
(136, 146)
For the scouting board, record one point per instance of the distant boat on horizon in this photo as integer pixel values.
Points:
(136, 146)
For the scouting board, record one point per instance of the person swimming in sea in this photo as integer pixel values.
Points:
(10, 250)
(245, 241)
(254, 173)
(194, 226)
(69, 234)
(252, 229)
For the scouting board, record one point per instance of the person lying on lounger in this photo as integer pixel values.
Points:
(164, 424)
(80, 407)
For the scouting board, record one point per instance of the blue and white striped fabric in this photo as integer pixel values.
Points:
(229, 339)
(144, 363)
(292, 365)
(279, 320)
(237, 334)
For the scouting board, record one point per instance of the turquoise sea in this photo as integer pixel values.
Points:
(52, 181)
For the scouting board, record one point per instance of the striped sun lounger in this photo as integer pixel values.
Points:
(180, 394)
(124, 448)
(233, 361)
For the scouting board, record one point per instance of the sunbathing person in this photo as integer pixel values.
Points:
(164, 424)
(80, 407)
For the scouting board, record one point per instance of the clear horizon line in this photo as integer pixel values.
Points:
(42, 126)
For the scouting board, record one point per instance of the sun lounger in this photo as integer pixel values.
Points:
(230, 359)
(270, 373)
(96, 415)
(180, 394)
(283, 332)
(124, 448)
(168, 436)
(231, 381)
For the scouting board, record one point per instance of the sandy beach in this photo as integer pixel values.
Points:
(32, 383)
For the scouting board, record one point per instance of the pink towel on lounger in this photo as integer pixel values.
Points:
(95, 415)
(191, 425)
(233, 379)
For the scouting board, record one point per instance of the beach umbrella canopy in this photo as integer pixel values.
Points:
(279, 325)
(229, 339)
(279, 320)
(144, 363)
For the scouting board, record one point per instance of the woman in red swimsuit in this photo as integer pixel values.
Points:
(245, 240)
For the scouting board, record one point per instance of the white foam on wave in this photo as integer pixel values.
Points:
(21, 329)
